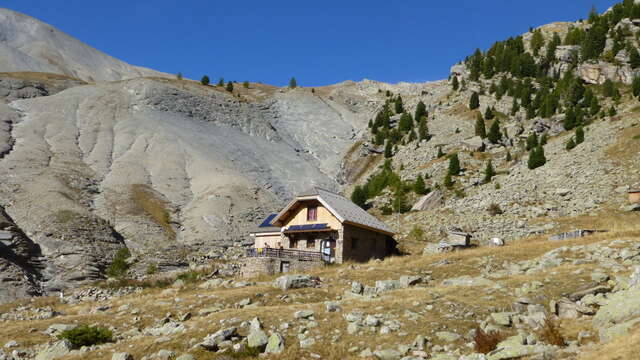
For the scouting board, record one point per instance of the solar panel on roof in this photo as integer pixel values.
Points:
(267, 221)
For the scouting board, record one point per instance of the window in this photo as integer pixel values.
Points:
(354, 243)
(311, 243)
(312, 213)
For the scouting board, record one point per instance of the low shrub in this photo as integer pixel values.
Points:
(87, 335)
(494, 209)
(152, 269)
(416, 233)
(485, 343)
(550, 334)
(119, 266)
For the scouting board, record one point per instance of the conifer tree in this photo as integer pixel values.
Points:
(406, 123)
(494, 135)
(423, 130)
(634, 58)
(569, 119)
(570, 144)
(594, 106)
(474, 102)
(480, 129)
(448, 182)
(536, 157)
(635, 87)
(388, 150)
(612, 111)
(205, 80)
(221, 82)
(579, 135)
(229, 87)
(440, 153)
(293, 83)
(537, 42)
(421, 110)
(489, 172)
(454, 165)
(455, 84)
(608, 88)
(179, 76)
(532, 141)
(515, 107)
(418, 186)
(543, 139)
(488, 114)
(412, 135)
(359, 196)
(508, 158)
(399, 107)
(594, 41)
(245, 85)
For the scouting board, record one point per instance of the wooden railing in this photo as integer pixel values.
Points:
(285, 253)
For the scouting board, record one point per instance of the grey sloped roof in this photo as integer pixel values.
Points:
(347, 211)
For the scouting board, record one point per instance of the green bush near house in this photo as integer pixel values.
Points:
(87, 336)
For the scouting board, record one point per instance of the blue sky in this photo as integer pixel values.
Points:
(318, 42)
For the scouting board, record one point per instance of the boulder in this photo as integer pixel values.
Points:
(257, 339)
(620, 307)
(520, 351)
(410, 280)
(387, 285)
(164, 355)
(55, 350)
(503, 318)
(303, 314)
(474, 144)
(307, 343)
(356, 287)
(122, 356)
(387, 354)
(448, 336)
(212, 341)
(275, 345)
(186, 357)
(468, 281)
(56, 329)
(430, 201)
(608, 334)
(287, 282)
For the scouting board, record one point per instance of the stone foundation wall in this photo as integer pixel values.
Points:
(252, 267)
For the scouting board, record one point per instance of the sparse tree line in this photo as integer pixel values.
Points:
(205, 80)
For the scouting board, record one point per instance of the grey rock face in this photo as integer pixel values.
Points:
(30, 45)
(19, 262)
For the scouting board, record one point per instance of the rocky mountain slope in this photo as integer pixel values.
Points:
(27, 44)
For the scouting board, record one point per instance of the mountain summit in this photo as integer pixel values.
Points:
(27, 44)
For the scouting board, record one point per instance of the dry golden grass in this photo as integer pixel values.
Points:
(623, 348)
(146, 202)
(626, 148)
(462, 111)
(155, 303)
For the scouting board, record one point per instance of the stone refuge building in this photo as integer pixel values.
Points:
(317, 227)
